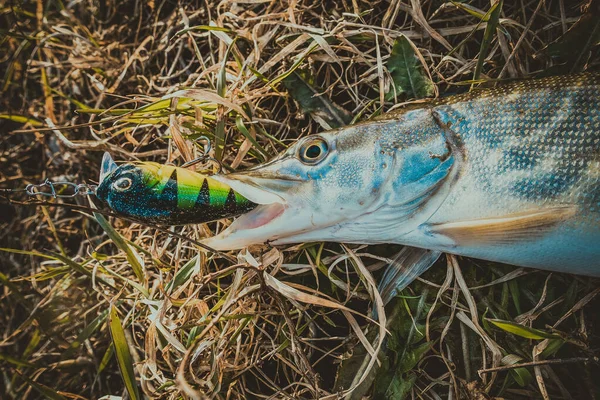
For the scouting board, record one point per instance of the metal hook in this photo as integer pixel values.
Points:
(79, 189)
(198, 160)
(207, 145)
(205, 155)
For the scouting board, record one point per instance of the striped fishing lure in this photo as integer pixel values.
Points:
(166, 195)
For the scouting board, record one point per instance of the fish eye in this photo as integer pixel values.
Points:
(313, 151)
(122, 184)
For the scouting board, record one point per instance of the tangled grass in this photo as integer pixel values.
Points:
(88, 310)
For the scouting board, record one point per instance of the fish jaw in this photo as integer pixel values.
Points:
(259, 226)
(282, 211)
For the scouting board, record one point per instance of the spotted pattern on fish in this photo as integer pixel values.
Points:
(537, 141)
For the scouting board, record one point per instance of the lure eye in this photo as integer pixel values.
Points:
(122, 184)
(313, 151)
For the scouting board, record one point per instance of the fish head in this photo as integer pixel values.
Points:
(305, 193)
(127, 189)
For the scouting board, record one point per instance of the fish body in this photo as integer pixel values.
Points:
(167, 195)
(509, 174)
(529, 190)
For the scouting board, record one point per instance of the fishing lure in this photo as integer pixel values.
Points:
(166, 194)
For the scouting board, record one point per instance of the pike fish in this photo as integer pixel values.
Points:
(166, 195)
(508, 174)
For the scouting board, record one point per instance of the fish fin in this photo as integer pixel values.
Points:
(107, 167)
(506, 229)
(405, 267)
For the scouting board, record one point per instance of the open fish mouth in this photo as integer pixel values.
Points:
(270, 220)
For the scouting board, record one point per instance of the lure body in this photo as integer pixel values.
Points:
(167, 195)
(510, 174)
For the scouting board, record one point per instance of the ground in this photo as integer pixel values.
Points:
(92, 307)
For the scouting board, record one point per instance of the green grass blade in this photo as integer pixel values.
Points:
(490, 29)
(472, 10)
(58, 257)
(297, 63)
(33, 343)
(15, 361)
(10, 69)
(49, 273)
(184, 273)
(521, 375)
(132, 257)
(521, 330)
(106, 359)
(45, 391)
(21, 119)
(124, 358)
(310, 100)
(513, 287)
(87, 331)
(221, 90)
(407, 72)
(239, 122)
(67, 261)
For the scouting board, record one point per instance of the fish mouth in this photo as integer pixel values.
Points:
(259, 186)
(270, 220)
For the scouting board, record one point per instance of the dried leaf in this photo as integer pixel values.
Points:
(295, 294)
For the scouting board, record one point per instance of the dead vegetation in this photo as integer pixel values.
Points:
(87, 310)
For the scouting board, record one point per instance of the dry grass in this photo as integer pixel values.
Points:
(143, 80)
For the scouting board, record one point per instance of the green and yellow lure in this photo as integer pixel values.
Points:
(167, 195)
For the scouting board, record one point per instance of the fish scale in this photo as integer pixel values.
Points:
(528, 146)
(545, 137)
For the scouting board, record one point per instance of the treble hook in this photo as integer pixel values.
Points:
(205, 157)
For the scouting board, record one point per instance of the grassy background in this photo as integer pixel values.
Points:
(87, 311)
